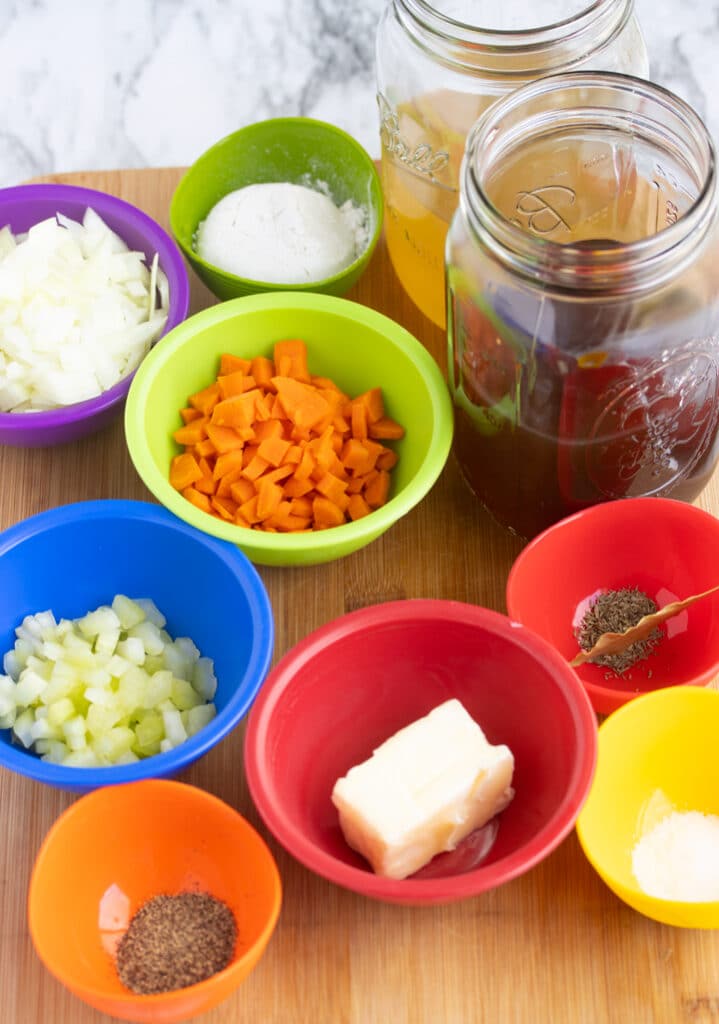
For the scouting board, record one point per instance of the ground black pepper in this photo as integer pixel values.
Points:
(615, 611)
(176, 941)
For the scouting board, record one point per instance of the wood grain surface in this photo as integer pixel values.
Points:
(552, 947)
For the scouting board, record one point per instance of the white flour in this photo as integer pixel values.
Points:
(282, 233)
(678, 859)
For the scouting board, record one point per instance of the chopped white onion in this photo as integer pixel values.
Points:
(78, 311)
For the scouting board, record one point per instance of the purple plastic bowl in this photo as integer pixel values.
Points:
(25, 205)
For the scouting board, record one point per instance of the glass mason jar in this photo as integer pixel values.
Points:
(438, 70)
(583, 300)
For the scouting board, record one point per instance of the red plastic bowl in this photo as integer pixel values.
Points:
(667, 548)
(353, 683)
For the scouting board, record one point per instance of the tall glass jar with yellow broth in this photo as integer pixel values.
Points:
(439, 67)
(583, 300)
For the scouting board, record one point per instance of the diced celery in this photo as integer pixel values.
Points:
(199, 717)
(184, 644)
(85, 758)
(149, 634)
(183, 695)
(113, 744)
(12, 664)
(126, 757)
(152, 612)
(132, 649)
(23, 728)
(153, 663)
(132, 688)
(204, 679)
(128, 612)
(52, 650)
(56, 751)
(59, 712)
(102, 620)
(74, 732)
(150, 730)
(7, 721)
(158, 690)
(174, 729)
(101, 695)
(177, 662)
(29, 688)
(117, 666)
(107, 642)
(101, 719)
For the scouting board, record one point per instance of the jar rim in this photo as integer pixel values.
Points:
(547, 48)
(624, 266)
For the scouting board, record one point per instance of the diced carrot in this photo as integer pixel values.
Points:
(387, 459)
(294, 454)
(273, 449)
(355, 456)
(190, 414)
(233, 364)
(269, 428)
(386, 429)
(249, 510)
(225, 506)
(205, 449)
(332, 488)
(238, 411)
(255, 467)
(184, 471)
(225, 439)
(302, 404)
(325, 513)
(269, 496)
(241, 521)
(295, 488)
(232, 384)
(263, 370)
(301, 507)
(357, 507)
(242, 490)
(275, 475)
(206, 485)
(372, 401)
(376, 492)
(193, 432)
(306, 465)
(224, 485)
(290, 358)
(206, 400)
(359, 421)
(200, 500)
(227, 463)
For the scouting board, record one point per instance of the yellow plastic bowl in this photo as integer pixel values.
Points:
(657, 754)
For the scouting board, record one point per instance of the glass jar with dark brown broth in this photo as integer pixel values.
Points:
(583, 300)
(440, 65)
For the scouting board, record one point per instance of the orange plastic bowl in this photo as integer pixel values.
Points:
(119, 846)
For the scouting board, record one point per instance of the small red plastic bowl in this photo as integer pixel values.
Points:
(666, 548)
(353, 683)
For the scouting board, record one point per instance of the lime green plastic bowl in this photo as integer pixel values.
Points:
(298, 150)
(354, 345)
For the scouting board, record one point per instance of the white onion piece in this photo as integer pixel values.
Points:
(78, 311)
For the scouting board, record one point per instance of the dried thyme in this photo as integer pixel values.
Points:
(615, 611)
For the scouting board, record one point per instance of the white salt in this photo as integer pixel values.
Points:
(678, 859)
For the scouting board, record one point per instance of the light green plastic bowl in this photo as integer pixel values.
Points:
(354, 345)
(299, 150)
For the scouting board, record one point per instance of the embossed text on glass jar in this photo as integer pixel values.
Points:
(439, 67)
(583, 281)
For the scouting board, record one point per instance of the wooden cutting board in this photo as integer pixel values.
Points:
(552, 947)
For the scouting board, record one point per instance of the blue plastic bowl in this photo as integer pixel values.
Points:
(76, 557)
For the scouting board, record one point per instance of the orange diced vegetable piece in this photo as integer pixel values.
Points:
(295, 488)
(294, 455)
(225, 439)
(263, 370)
(326, 513)
(255, 467)
(269, 428)
(205, 449)
(355, 456)
(376, 492)
(359, 420)
(206, 400)
(332, 488)
(241, 521)
(227, 463)
(233, 364)
(249, 510)
(232, 384)
(306, 466)
(224, 485)
(242, 490)
(190, 414)
(192, 433)
(301, 507)
(386, 429)
(274, 450)
(225, 506)
(357, 507)
(387, 459)
(238, 411)
(200, 500)
(206, 485)
(302, 403)
(269, 496)
(275, 475)
(291, 359)
(372, 401)
(184, 471)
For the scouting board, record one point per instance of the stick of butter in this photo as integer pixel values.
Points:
(423, 790)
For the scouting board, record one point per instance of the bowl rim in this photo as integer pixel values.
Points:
(173, 266)
(257, 541)
(295, 124)
(28, 764)
(420, 891)
(608, 698)
(690, 693)
(191, 793)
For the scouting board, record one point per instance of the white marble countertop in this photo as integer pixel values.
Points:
(90, 84)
